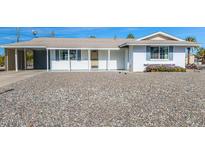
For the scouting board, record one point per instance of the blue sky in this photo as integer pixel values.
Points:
(8, 34)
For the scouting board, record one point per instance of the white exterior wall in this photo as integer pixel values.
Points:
(139, 58)
(102, 57)
(58, 65)
(117, 59)
(179, 56)
(80, 64)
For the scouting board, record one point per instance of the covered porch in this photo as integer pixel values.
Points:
(61, 59)
(88, 59)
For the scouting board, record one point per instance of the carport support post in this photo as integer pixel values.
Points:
(89, 60)
(7, 59)
(47, 59)
(25, 62)
(108, 59)
(16, 59)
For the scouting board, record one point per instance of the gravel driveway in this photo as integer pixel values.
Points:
(105, 99)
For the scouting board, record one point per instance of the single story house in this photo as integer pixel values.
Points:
(87, 54)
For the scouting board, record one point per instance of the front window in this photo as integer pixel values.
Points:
(72, 54)
(154, 52)
(164, 52)
(159, 52)
(63, 55)
(75, 54)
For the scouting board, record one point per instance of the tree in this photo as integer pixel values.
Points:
(130, 36)
(92, 36)
(35, 33)
(53, 34)
(189, 39)
(2, 60)
(201, 55)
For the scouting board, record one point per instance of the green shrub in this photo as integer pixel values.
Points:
(164, 68)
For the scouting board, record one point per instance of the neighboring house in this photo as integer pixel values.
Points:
(78, 54)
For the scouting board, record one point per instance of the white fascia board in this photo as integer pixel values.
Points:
(161, 33)
(162, 45)
(53, 48)
(122, 45)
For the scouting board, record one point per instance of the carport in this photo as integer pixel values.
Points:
(16, 58)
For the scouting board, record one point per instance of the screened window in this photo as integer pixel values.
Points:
(164, 52)
(159, 52)
(75, 54)
(61, 55)
(154, 52)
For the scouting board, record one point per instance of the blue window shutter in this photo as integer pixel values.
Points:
(57, 55)
(79, 54)
(170, 52)
(148, 53)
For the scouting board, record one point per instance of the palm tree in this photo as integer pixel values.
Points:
(189, 39)
(130, 36)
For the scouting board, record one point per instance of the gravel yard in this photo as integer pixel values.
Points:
(105, 99)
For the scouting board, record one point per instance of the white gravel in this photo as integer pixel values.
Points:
(105, 99)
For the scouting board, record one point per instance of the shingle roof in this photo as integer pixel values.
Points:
(91, 43)
(71, 43)
(160, 42)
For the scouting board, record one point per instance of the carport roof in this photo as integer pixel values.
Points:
(97, 43)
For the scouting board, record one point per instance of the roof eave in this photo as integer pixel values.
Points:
(7, 46)
(133, 44)
(161, 33)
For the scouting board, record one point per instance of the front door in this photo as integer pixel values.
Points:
(94, 58)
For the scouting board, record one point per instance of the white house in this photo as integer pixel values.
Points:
(88, 54)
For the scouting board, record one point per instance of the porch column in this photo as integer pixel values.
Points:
(127, 59)
(6, 59)
(47, 59)
(25, 62)
(108, 60)
(88, 59)
(69, 60)
(16, 59)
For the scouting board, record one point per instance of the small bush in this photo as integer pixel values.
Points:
(192, 66)
(164, 68)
